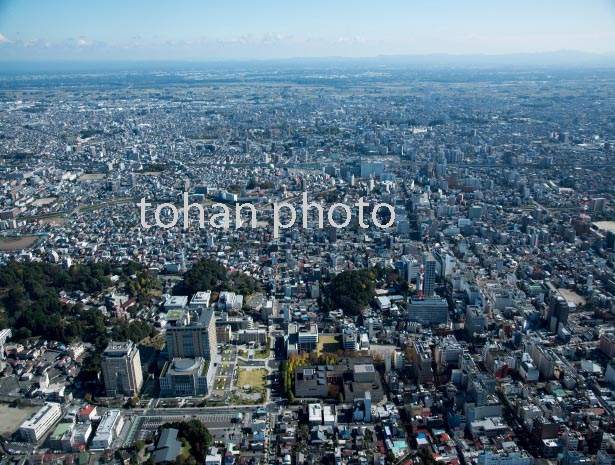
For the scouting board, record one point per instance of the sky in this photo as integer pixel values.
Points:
(270, 29)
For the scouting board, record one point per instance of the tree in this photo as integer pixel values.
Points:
(196, 435)
(135, 331)
(30, 304)
(211, 275)
(352, 290)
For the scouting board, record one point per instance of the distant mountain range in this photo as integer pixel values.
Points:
(565, 58)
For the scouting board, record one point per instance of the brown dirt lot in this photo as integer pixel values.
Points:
(11, 418)
(17, 243)
(92, 177)
(53, 219)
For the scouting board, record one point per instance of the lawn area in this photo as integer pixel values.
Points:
(255, 378)
(185, 451)
(328, 345)
(259, 354)
(157, 341)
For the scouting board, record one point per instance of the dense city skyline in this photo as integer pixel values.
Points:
(350, 233)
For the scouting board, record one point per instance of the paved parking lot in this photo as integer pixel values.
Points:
(144, 427)
(223, 380)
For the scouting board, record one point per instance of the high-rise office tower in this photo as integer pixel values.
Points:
(121, 368)
(194, 339)
(429, 282)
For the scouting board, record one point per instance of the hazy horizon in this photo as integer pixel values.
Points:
(272, 30)
(529, 61)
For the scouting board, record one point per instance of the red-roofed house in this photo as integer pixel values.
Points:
(87, 413)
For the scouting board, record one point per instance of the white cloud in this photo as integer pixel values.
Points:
(269, 38)
(5, 40)
(30, 43)
(355, 40)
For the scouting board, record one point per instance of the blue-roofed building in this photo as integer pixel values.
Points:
(168, 447)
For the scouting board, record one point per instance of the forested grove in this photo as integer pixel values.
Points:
(195, 436)
(30, 303)
(352, 290)
(211, 275)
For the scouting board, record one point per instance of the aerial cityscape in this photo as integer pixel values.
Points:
(368, 256)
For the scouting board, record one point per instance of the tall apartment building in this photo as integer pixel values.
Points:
(559, 310)
(545, 360)
(429, 284)
(409, 267)
(422, 362)
(447, 352)
(475, 212)
(607, 345)
(193, 339)
(121, 368)
(476, 321)
(445, 263)
(597, 204)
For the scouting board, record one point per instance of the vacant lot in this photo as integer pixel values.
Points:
(16, 243)
(606, 225)
(44, 201)
(92, 177)
(53, 219)
(572, 296)
(328, 345)
(11, 418)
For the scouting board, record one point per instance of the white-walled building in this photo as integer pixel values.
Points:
(109, 428)
(200, 299)
(41, 422)
(513, 456)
